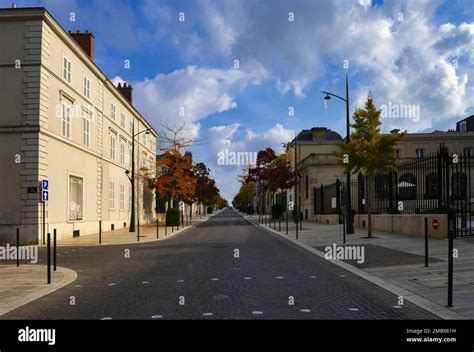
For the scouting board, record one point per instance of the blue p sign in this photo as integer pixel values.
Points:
(45, 184)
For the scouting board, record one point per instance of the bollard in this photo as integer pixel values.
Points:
(17, 247)
(54, 250)
(138, 230)
(157, 228)
(426, 242)
(287, 222)
(48, 261)
(100, 231)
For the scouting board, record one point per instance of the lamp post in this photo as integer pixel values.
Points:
(132, 176)
(327, 98)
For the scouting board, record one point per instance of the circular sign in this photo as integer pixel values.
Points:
(435, 224)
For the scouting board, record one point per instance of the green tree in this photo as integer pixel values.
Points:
(369, 151)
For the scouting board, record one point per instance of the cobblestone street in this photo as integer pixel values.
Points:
(225, 268)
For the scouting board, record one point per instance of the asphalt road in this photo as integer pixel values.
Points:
(197, 275)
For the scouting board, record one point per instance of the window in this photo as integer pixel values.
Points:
(122, 120)
(463, 126)
(129, 198)
(67, 69)
(75, 198)
(469, 152)
(65, 120)
(459, 185)
(122, 196)
(86, 89)
(130, 126)
(420, 152)
(122, 151)
(111, 195)
(431, 186)
(113, 138)
(145, 138)
(407, 187)
(399, 153)
(86, 128)
(130, 154)
(112, 111)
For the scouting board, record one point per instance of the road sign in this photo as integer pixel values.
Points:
(181, 205)
(45, 185)
(44, 195)
(435, 224)
(291, 206)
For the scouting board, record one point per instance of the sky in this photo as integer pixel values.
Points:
(243, 75)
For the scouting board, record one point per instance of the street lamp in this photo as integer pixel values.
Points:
(327, 99)
(132, 177)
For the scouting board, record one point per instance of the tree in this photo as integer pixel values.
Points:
(369, 150)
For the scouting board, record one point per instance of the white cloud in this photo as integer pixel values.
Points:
(191, 94)
(220, 138)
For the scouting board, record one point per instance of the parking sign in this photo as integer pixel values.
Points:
(45, 185)
(44, 196)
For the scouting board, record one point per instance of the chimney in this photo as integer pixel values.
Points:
(126, 90)
(85, 41)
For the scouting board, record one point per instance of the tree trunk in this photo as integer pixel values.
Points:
(369, 207)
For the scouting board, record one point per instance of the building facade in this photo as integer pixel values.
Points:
(317, 164)
(64, 121)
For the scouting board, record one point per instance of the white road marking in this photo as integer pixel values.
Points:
(257, 312)
(397, 307)
(106, 318)
(280, 277)
(179, 280)
(208, 314)
(305, 310)
(354, 309)
(112, 284)
(247, 278)
(215, 279)
(145, 282)
(312, 277)
(155, 317)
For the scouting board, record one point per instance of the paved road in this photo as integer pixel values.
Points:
(199, 266)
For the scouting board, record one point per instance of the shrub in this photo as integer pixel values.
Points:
(209, 210)
(276, 211)
(172, 217)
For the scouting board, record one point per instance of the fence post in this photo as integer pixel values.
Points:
(17, 247)
(157, 227)
(100, 231)
(450, 262)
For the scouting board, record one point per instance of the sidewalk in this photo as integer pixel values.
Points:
(26, 283)
(148, 233)
(397, 261)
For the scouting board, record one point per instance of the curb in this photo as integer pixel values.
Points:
(429, 306)
(69, 276)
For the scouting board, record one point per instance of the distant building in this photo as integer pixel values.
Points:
(317, 164)
(466, 125)
(64, 121)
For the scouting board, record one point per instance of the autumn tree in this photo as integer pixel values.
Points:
(369, 151)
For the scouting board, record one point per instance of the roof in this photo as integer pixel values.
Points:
(318, 134)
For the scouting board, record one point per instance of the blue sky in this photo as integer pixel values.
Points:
(418, 53)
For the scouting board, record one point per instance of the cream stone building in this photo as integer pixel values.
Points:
(62, 120)
(317, 164)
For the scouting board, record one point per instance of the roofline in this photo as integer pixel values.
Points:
(41, 13)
